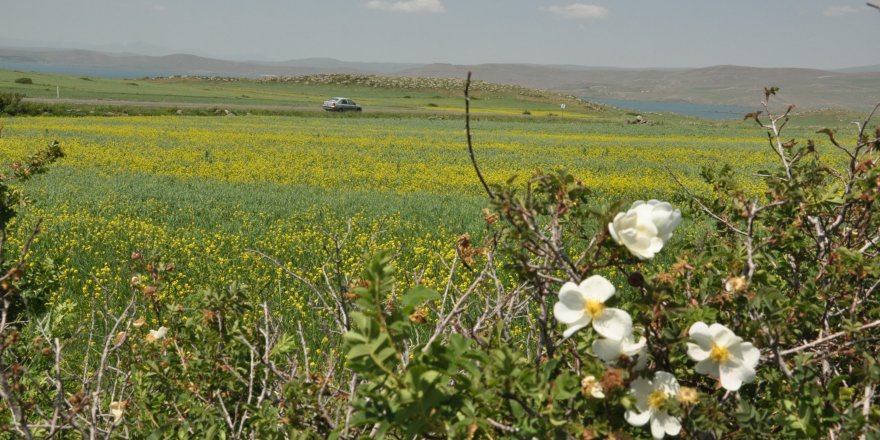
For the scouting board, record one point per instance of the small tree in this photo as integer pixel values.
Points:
(10, 103)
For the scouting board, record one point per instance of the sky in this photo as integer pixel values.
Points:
(620, 33)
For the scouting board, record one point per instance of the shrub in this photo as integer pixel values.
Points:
(788, 282)
(10, 103)
(23, 288)
(24, 80)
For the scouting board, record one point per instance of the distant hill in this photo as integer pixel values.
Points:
(732, 85)
(332, 65)
(861, 69)
(855, 88)
(182, 64)
(83, 58)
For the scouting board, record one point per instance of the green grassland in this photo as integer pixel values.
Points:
(374, 93)
(379, 95)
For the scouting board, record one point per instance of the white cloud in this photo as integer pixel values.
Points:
(580, 11)
(839, 11)
(407, 5)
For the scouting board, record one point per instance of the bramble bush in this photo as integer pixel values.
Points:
(568, 319)
(10, 103)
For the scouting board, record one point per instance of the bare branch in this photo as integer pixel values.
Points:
(502, 426)
(868, 120)
(703, 206)
(467, 127)
(342, 325)
(456, 309)
(828, 338)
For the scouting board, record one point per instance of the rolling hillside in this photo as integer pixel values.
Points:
(856, 88)
(734, 85)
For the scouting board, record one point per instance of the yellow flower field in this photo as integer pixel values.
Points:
(204, 192)
(395, 156)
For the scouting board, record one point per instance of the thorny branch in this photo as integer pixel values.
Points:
(828, 338)
(467, 125)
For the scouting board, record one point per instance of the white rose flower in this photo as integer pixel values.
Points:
(156, 335)
(651, 400)
(721, 354)
(610, 350)
(591, 386)
(645, 227)
(580, 305)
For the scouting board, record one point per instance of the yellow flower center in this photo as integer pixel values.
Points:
(594, 308)
(719, 354)
(657, 399)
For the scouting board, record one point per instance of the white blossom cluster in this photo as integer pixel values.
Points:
(644, 229)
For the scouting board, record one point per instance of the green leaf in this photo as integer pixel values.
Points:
(211, 432)
(286, 344)
(417, 296)
(360, 350)
(517, 409)
(360, 321)
(156, 434)
(353, 337)
(429, 376)
(558, 422)
(567, 386)
(384, 354)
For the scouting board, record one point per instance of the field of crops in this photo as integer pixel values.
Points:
(201, 192)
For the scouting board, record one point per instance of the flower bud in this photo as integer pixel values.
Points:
(735, 284)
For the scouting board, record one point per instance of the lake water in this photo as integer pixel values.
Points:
(705, 111)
